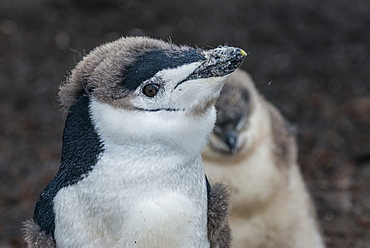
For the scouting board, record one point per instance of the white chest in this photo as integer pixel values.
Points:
(135, 202)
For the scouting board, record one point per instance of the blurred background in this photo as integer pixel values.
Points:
(311, 58)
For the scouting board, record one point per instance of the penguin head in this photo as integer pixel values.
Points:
(142, 88)
(234, 108)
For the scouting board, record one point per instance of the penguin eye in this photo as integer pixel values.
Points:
(151, 90)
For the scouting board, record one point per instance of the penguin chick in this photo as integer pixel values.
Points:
(253, 151)
(139, 113)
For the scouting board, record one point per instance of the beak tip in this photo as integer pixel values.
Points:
(234, 151)
(243, 53)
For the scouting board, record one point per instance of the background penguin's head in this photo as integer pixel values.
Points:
(141, 85)
(234, 108)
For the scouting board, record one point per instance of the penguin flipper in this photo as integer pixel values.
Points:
(219, 233)
(35, 237)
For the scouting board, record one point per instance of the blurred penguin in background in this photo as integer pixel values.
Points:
(253, 150)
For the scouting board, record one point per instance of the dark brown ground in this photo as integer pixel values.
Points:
(311, 58)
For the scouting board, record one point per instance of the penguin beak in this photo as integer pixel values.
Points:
(231, 140)
(218, 62)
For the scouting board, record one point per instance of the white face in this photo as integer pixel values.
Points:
(166, 119)
(174, 94)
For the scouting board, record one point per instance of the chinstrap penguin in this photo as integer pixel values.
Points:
(139, 112)
(253, 151)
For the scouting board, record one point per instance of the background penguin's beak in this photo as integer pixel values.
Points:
(230, 138)
(219, 62)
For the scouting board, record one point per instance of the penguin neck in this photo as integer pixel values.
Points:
(81, 143)
(152, 134)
